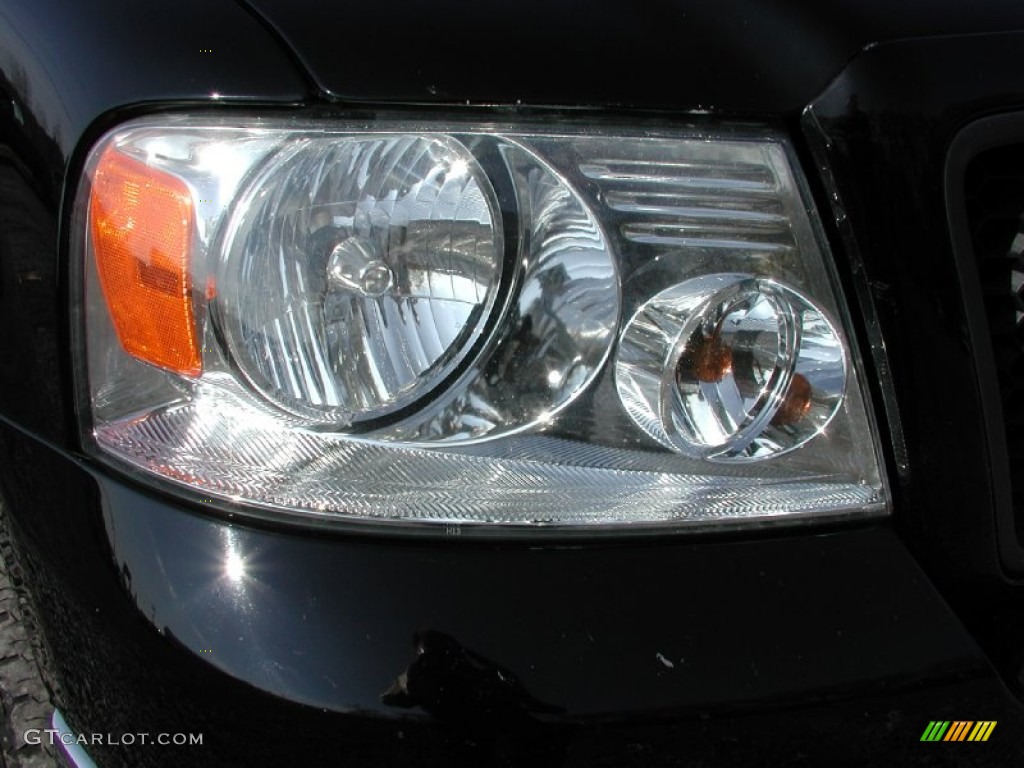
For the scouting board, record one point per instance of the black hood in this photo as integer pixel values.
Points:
(736, 56)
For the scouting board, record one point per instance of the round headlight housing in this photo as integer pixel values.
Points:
(358, 274)
(731, 367)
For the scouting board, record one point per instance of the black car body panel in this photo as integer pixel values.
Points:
(807, 646)
(735, 57)
(885, 141)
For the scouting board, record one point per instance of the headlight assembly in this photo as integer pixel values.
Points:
(415, 323)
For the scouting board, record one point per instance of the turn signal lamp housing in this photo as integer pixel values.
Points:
(142, 226)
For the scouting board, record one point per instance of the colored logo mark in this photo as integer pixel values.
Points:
(958, 730)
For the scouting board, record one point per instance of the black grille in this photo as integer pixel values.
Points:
(994, 197)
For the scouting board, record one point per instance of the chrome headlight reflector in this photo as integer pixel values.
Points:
(420, 323)
(357, 273)
(729, 367)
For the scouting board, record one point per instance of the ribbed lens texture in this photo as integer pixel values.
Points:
(359, 272)
(330, 477)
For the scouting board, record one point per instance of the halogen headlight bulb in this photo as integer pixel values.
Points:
(359, 273)
(730, 367)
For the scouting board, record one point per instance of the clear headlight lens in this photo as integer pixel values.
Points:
(357, 274)
(484, 325)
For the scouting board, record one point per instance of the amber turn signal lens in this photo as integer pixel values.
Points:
(142, 227)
